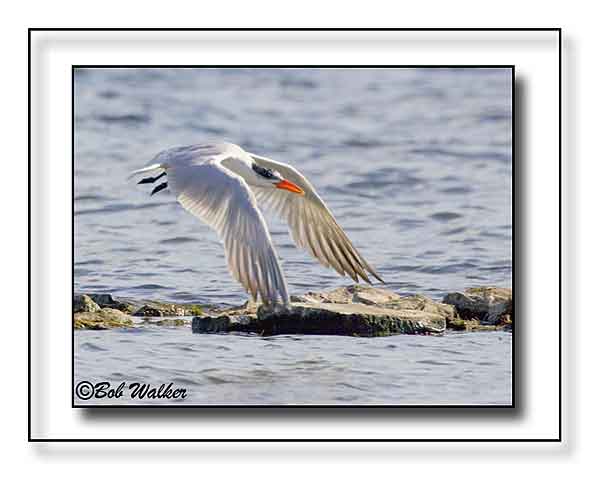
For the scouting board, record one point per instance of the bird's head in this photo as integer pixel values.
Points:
(264, 177)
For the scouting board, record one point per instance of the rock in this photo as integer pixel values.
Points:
(158, 308)
(471, 325)
(84, 304)
(367, 295)
(167, 322)
(351, 319)
(422, 303)
(193, 310)
(356, 310)
(489, 305)
(248, 308)
(211, 324)
(225, 324)
(148, 311)
(106, 300)
(103, 299)
(101, 320)
(145, 307)
(380, 297)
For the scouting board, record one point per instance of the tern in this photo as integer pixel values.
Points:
(223, 185)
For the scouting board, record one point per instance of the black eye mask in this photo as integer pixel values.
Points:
(262, 171)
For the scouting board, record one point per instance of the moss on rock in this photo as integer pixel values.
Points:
(101, 320)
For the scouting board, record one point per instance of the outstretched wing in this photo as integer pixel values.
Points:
(223, 200)
(312, 224)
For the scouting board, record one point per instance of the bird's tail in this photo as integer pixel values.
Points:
(151, 167)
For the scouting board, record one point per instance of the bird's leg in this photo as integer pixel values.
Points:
(150, 180)
(158, 188)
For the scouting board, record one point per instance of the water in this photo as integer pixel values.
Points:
(470, 368)
(414, 163)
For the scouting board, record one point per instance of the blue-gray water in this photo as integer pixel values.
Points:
(414, 163)
(473, 368)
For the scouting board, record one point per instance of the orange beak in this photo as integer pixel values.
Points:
(289, 186)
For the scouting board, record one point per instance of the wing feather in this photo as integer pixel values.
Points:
(312, 225)
(223, 200)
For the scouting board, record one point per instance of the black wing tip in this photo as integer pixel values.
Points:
(376, 275)
(378, 279)
(159, 188)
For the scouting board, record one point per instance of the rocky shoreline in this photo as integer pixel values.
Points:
(355, 310)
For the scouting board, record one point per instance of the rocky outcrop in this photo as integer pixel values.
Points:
(355, 319)
(84, 304)
(352, 311)
(102, 319)
(105, 300)
(166, 321)
(143, 308)
(226, 323)
(355, 310)
(490, 306)
(148, 311)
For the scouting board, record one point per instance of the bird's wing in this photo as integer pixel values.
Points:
(312, 225)
(223, 200)
(186, 156)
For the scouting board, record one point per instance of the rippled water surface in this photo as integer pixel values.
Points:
(414, 163)
(228, 369)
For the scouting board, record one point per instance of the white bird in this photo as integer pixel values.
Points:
(221, 184)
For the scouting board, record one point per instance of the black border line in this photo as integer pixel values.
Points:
(513, 222)
(296, 29)
(294, 66)
(559, 439)
(292, 440)
(72, 235)
(29, 236)
(560, 427)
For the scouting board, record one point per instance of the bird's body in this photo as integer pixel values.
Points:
(224, 185)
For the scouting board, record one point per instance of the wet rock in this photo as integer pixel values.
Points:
(356, 310)
(167, 322)
(158, 308)
(103, 319)
(489, 305)
(354, 319)
(167, 309)
(470, 325)
(148, 311)
(226, 324)
(106, 300)
(351, 319)
(211, 324)
(84, 304)
(193, 310)
(145, 307)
